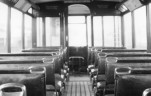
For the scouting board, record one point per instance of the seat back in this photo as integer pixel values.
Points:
(123, 50)
(25, 63)
(134, 62)
(12, 89)
(102, 59)
(134, 83)
(147, 92)
(34, 82)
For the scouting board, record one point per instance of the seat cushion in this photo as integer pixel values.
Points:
(50, 88)
(109, 94)
(101, 78)
(49, 93)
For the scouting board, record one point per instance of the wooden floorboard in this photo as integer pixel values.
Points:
(73, 89)
(82, 89)
(78, 89)
(69, 88)
(87, 89)
(79, 86)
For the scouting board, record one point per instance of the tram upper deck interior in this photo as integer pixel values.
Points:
(75, 47)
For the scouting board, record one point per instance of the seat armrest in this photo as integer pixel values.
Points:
(101, 85)
(147, 92)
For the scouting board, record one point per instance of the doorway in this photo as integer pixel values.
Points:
(78, 34)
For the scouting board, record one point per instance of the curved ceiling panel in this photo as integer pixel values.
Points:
(43, 1)
(78, 9)
(72, 1)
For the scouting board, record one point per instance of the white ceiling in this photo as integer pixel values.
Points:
(78, 9)
(43, 1)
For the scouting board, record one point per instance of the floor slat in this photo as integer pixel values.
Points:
(69, 89)
(78, 89)
(79, 86)
(82, 89)
(73, 89)
(87, 89)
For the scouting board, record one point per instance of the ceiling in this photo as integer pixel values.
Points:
(97, 7)
(78, 9)
(74, 1)
(56, 6)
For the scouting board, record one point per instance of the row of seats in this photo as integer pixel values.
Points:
(119, 71)
(43, 71)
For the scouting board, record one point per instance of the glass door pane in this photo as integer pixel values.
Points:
(77, 31)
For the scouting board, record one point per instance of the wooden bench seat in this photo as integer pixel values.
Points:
(123, 50)
(25, 63)
(17, 56)
(98, 54)
(112, 63)
(102, 59)
(53, 70)
(132, 83)
(36, 55)
(34, 81)
(55, 52)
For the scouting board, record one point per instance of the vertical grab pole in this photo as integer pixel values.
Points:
(102, 32)
(92, 31)
(148, 21)
(123, 31)
(133, 31)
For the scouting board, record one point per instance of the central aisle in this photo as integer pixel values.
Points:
(79, 85)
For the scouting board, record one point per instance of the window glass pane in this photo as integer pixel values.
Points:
(97, 30)
(117, 31)
(30, 11)
(89, 31)
(48, 32)
(76, 19)
(16, 30)
(77, 33)
(128, 30)
(3, 27)
(108, 31)
(52, 31)
(28, 32)
(39, 32)
(140, 28)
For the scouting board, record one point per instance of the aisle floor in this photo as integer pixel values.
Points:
(79, 85)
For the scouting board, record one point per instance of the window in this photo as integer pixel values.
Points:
(52, 31)
(30, 11)
(3, 27)
(117, 34)
(39, 32)
(76, 19)
(140, 28)
(128, 30)
(89, 30)
(77, 31)
(28, 32)
(16, 30)
(48, 32)
(108, 31)
(97, 30)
